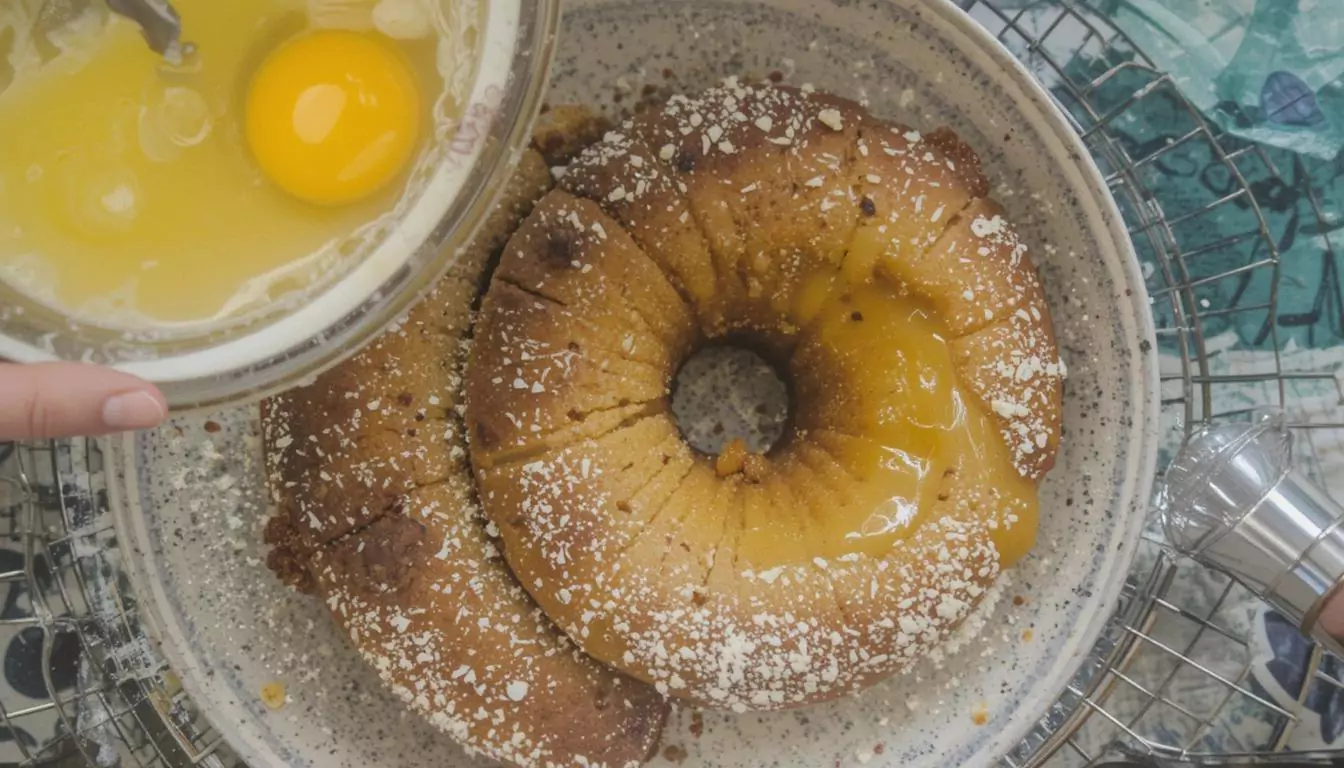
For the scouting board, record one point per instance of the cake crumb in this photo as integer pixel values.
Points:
(732, 458)
(273, 695)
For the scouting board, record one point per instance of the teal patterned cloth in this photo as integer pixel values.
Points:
(1269, 73)
(1267, 79)
(1268, 76)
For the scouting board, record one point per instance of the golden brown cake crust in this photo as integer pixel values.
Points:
(377, 514)
(767, 211)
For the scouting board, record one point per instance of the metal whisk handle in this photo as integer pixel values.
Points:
(1232, 500)
(158, 19)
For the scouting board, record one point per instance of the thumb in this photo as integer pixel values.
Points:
(1332, 617)
(73, 399)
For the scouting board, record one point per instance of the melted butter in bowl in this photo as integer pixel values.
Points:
(131, 197)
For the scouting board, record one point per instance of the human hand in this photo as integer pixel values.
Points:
(74, 400)
(1332, 617)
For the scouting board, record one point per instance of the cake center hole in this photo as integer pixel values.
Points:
(723, 393)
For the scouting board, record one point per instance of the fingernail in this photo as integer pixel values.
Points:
(133, 410)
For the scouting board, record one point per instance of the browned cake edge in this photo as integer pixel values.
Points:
(376, 514)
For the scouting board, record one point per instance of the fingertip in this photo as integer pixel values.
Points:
(139, 409)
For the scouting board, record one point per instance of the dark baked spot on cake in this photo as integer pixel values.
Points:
(602, 698)
(288, 557)
(485, 435)
(966, 160)
(561, 247)
(564, 130)
(551, 144)
(382, 556)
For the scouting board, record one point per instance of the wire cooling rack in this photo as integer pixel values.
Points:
(103, 696)
(1172, 677)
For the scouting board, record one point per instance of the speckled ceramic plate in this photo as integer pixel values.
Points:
(191, 496)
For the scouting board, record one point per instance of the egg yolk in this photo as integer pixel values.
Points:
(333, 116)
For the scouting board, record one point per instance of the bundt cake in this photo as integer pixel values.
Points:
(377, 514)
(866, 261)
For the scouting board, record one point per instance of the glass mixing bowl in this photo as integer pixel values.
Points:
(275, 349)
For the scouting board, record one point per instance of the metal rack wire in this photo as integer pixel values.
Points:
(114, 701)
(1180, 628)
(1168, 639)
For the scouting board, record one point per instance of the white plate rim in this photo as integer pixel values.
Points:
(1140, 456)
